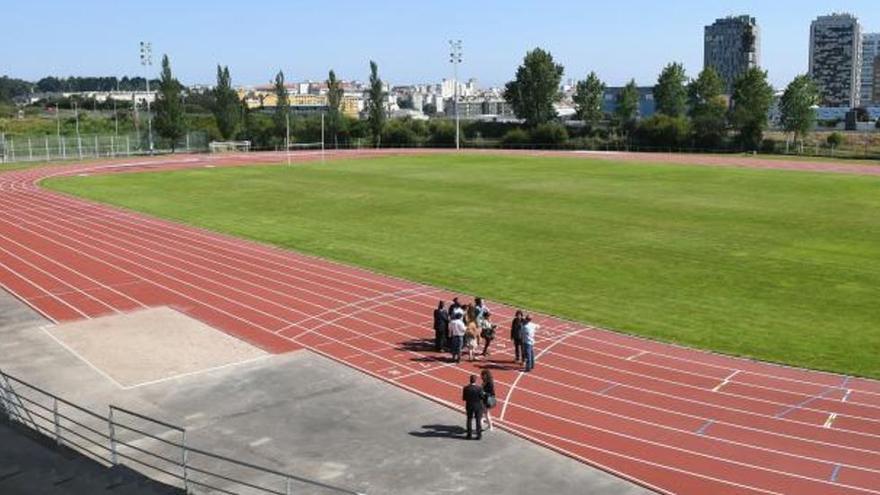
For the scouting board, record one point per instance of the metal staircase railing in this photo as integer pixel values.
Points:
(127, 437)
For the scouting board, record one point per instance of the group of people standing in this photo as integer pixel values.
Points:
(462, 328)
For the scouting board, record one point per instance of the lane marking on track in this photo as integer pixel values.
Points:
(521, 373)
(702, 429)
(713, 456)
(637, 355)
(725, 381)
(834, 473)
(608, 388)
(805, 402)
(846, 395)
(28, 302)
(830, 420)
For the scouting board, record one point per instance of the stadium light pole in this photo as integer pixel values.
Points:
(455, 59)
(58, 125)
(79, 144)
(147, 61)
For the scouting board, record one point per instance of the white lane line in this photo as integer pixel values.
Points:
(42, 289)
(846, 395)
(725, 381)
(153, 282)
(72, 270)
(637, 355)
(830, 420)
(521, 373)
(535, 434)
(28, 302)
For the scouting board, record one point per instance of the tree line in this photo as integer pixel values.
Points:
(689, 112)
(234, 120)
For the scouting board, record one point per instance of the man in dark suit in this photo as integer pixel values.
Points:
(472, 395)
(441, 326)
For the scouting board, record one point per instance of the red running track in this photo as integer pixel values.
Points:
(673, 419)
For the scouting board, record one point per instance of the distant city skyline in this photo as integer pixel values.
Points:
(408, 40)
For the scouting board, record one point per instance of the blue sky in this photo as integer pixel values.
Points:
(619, 40)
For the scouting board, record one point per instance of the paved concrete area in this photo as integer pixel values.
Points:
(142, 347)
(303, 414)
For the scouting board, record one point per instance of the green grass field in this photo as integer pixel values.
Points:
(782, 266)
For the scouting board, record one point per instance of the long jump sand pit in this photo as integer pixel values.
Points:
(143, 347)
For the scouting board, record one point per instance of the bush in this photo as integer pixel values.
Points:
(441, 133)
(834, 140)
(488, 130)
(663, 131)
(768, 146)
(515, 138)
(549, 134)
(399, 133)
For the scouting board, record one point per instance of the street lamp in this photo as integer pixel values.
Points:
(455, 59)
(147, 61)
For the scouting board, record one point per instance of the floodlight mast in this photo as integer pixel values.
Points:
(147, 61)
(455, 59)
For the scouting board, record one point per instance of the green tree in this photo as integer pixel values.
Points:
(670, 93)
(627, 109)
(588, 100)
(707, 108)
(334, 107)
(375, 105)
(282, 107)
(227, 107)
(752, 97)
(170, 121)
(797, 107)
(536, 88)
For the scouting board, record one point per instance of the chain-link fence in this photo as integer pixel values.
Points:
(60, 147)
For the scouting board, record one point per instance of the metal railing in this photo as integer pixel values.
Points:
(47, 148)
(127, 437)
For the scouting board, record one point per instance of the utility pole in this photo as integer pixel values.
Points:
(79, 143)
(455, 59)
(147, 61)
(58, 127)
(115, 111)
